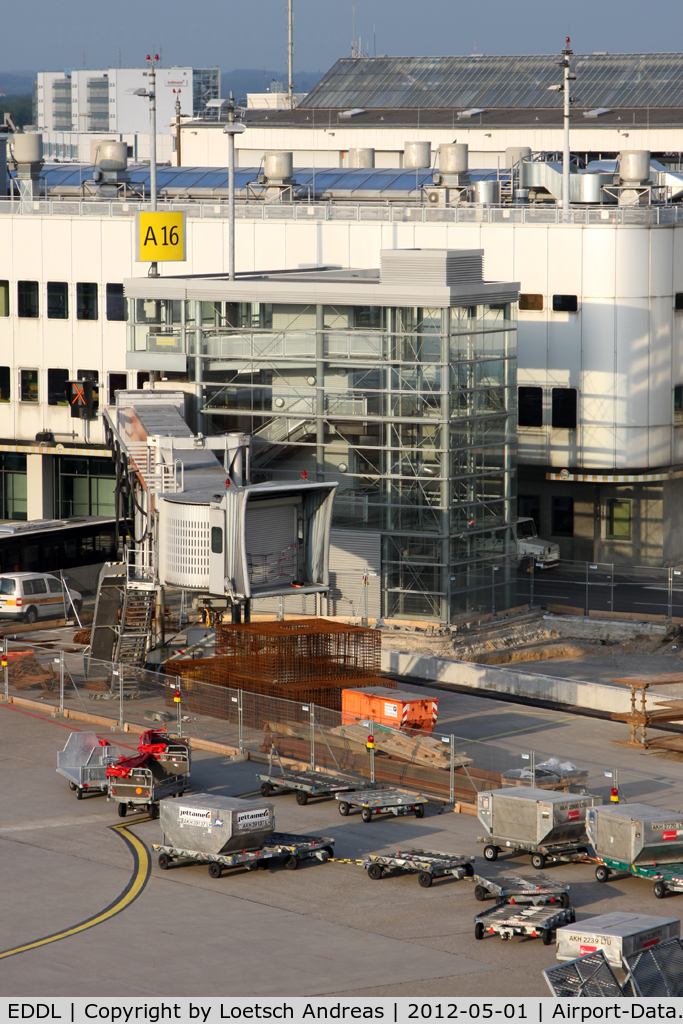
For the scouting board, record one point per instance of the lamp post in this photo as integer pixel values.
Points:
(568, 77)
(231, 129)
(177, 127)
(150, 94)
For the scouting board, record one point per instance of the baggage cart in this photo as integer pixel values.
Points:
(639, 840)
(426, 864)
(383, 801)
(589, 976)
(84, 762)
(530, 921)
(280, 846)
(549, 826)
(536, 889)
(307, 783)
(161, 769)
(618, 935)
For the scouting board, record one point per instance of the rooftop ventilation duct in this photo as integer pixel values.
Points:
(110, 165)
(516, 154)
(3, 165)
(453, 163)
(634, 176)
(417, 155)
(360, 158)
(27, 150)
(278, 168)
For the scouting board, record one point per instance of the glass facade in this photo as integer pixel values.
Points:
(98, 104)
(84, 487)
(411, 410)
(206, 85)
(12, 485)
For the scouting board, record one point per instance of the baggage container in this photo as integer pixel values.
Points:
(533, 816)
(216, 824)
(396, 708)
(618, 935)
(624, 835)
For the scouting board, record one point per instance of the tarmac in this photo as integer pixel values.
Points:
(123, 927)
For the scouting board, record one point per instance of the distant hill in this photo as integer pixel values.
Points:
(17, 83)
(242, 81)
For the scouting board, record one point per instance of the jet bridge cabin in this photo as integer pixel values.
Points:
(260, 540)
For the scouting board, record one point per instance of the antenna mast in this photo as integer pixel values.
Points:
(290, 54)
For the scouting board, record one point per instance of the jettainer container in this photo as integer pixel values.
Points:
(395, 708)
(216, 824)
(617, 935)
(533, 816)
(635, 834)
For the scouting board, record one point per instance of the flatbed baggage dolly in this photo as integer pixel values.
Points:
(84, 763)
(541, 855)
(280, 846)
(161, 769)
(382, 801)
(426, 864)
(511, 889)
(307, 783)
(530, 921)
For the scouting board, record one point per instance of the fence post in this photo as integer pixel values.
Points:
(611, 599)
(61, 682)
(452, 787)
(240, 722)
(5, 661)
(120, 674)
(533, 769)
(531, 596)
(671, 593)
(586, 589)
(177, 697)
(312, 737)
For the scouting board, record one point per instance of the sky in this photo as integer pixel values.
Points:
(69, 33)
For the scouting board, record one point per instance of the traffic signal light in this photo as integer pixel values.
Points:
(82, 394)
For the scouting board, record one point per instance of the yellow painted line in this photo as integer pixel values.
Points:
(254, 792)
(142, 865)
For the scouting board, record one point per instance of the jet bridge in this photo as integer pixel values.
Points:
(199, 524)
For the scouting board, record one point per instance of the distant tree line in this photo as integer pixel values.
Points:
(20, 107)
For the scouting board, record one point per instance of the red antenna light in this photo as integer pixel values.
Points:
(228, 482)
(567, 42)
(148, 57)
(304, 475)
(156, 56)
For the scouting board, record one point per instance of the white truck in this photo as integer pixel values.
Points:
(545, 553)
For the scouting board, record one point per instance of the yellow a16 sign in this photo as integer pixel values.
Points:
(160, 237)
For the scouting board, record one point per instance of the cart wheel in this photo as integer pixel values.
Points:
(479, 930)
(73, 786)
(122, 810)
(425, 879)
(164, 861)
(565, 900)
(538, 861)
(375, 871)
(420, 811)
(602, 873)
(660, 890)
(469, 871)
(215, 870)
(153, 811)
(302, 798)
(79, 794)
(547, 936)
(292, 863)
(479, 893)
(490, 852)
(343, 808)
(329, 851)
(366, 814)
(572, 916)
(266, 788)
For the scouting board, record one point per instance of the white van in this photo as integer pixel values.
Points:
(29, 596)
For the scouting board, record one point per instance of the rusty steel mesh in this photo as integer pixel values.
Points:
(300, 651)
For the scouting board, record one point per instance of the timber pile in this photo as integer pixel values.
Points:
(642, 717)
(26, 673)
(82, 636)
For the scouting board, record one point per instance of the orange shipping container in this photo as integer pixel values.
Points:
(395, 708)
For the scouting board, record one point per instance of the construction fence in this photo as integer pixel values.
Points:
(440, 764)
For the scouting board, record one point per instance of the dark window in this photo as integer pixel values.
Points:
(619, 518)
(57, 300)
(5, 389)
(216, 540)
(116, 304)
(56, 387)
(35, 587)
(678, 301)
(530, 407)
(94, 376)
(563, 517)
(117, 382)
(531, 301)
(29, 385)
(27, 299)
(678, 406)
(530, 505)
(86, 301)
(564, 408)
(143, 378)
(54, 585)
(565, 303)
(4, 298)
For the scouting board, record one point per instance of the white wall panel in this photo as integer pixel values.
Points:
(633, 262)
(499, 252)
(532, 339)
(204, 250)
(270, 248)
(633, 362)
(631, 449)
(564, 349)
(661, 321)
(597, 340)
(365, 244)
(661, 261)
(565, 257)
(598, 263)
(659, 446)
(531, 259)
(597, 445)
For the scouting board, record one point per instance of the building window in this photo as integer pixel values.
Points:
(57, 300)
(565, 303)
(117, 382)
(28, 385)
(85, 487)
(619, 518)
(529, 506)
(5, 389)
(564, 408)
(56, 387)
(116, 303)
(94, 376)
(86, 301)
(530, 301)
(678, 301)
(563, 517)
(4, 298)
(27, 299)
(678, 406)
(142, 379)
(530, 407)
(12, 491)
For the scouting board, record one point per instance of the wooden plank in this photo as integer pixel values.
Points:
(665, 679)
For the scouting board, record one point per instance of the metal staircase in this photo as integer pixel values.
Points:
(135, 626)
